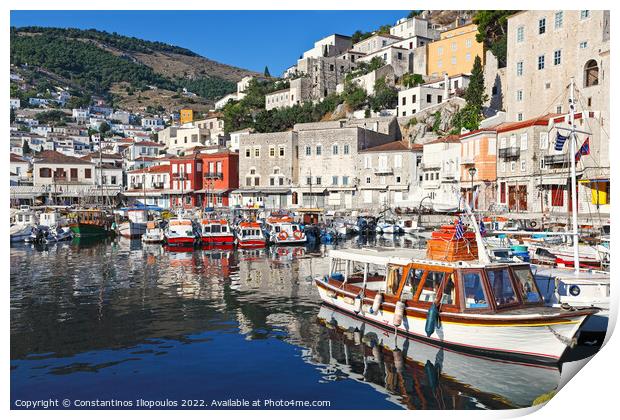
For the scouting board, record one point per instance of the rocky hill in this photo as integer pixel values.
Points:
(93, 62)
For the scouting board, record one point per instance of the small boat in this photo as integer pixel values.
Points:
(389, 227)
(135, 225)
(58, 234)
(590, 256)
(408, 226)
(450, 298)
(249, 235)
(181, 231)
(90, 223)
(282, 231)
(216, 231)
(23, 222)
(586, 288)
(154, 233)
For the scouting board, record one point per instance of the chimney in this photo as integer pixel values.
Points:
(446, 87)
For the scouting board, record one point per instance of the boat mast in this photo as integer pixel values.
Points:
(573, 175)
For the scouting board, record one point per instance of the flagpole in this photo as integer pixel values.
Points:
(573, 174)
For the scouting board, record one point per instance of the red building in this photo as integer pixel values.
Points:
(185, 180)
(220, 177)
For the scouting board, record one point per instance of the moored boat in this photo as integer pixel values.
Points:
(283, 231)
(249, 235)
(135, 225)
(216, 231)
(90, 223)
(154, 233)
(181, 231)
(456, 301)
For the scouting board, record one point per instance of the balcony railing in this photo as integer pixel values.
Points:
(136, 186)
(213, 175)
(551, 160)
(158, 185)
(383, 170)
(429, 166)
(509, 153)
(467, 160)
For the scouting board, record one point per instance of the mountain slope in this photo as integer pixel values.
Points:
(96, 61)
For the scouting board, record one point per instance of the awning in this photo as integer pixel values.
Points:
(207, 191)
(308, 190)
(275, 191)
(337, 189)
(552, 181)
(245, 192)
(589, 181)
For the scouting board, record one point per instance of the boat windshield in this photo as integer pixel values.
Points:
(529, 290)
(430, 288)
(501, 285)
(475, 297)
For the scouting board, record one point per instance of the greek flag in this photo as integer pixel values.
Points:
(460, 230)
(559, 142)
(583, 150)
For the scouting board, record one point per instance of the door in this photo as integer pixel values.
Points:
(522, 197)
(348, 200)
(512, 197)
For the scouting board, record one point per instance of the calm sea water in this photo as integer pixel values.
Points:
(118, 320)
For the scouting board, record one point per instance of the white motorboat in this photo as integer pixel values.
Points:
(58, 234)
(181, 231)
(282, 231)
(408, 226)
(154, 232)
(22, 223)
(387, 227)
(135, 225)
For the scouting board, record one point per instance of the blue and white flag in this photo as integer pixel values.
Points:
(559, 142)
(460, 230)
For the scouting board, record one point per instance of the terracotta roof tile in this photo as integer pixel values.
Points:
(51, 156)
(157, 169)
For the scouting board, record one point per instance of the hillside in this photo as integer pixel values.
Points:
(95, 62)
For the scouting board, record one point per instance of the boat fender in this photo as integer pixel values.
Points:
(357, 307)
(376, 303)
(348, 300)
(533, 223)
(431, 320)
(567, 307)
(398, 360)
(399, 313)
(376, 354)
(432, 374)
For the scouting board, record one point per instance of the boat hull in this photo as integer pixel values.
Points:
(252, 243)
(181, 241)
(88, 230)
(218, 239)
(543, 342)
(132, 229)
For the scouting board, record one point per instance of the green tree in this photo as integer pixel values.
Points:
(26, 148)
(412, 79)
(385, 97)
(12, 115)
(266, 72)
(414, 13)
(354, 96)
(492, 31)
(104, 127)
(469, 117)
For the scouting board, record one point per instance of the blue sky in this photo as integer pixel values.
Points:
(247, 39)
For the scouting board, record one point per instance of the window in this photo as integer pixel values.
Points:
(272, 151)
(308, 150)
(520, 68)
(257, 152)
(272, 181)
(439, 63)
(519, 95)
(585, 14)
(345, 180)
(431, 286)
(448, 294)
(248, 181)
(541, 163)
(413, 99)
(558, 109)
(520, 32)
(281, 150)
(501, 285)
(467, 57)
(522, 165)
(591, 73)
(439, 99)
(520, 116)
(512, 166)
(247, 152)
(453, 46)
(398, 161)
(541, 62)
(47, 172)
(524, 141)
(398, 180)
(318, 180)
(543, 141)
(367, 162)
(346, 149)
(256, 180)
(319, 150)
(557, 57)
(439, 50)
(429, 98)
(367, 180)
(335, 149)
(557, 196)
(453, 59)
(529, 291)
(334, 180)
(468, 43)
(309, 180)
(404, 100)
(475, 297)
(559, 20)
(542, 26)
(583, 44)
(87, 173)
(74, 173)
(412, 283)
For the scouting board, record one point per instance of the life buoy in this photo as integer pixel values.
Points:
(297, 234)
(533, 224)
(282, 236)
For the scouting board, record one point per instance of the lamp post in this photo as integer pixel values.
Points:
(472, 171)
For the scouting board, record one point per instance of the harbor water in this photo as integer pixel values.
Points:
(121, 320)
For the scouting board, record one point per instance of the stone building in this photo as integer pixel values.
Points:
(545, 50)
(328, 160)
(388, 175)
(268, 167)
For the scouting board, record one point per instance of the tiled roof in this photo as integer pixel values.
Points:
(148, 143)
(17, 158)
(452, 138)
(393, 146)
(51, 156)
(511, 126)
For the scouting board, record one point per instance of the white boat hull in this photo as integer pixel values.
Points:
(545, 342)
(20, 233)
(132, 229)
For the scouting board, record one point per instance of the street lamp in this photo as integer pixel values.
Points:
(472, 172)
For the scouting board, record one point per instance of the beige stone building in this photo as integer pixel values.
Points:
(546, 48)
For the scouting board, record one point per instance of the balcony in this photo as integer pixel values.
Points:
(509, 153)
(158, 185)
(560, 159)
(383, 171)
(213, 175)
(467, 160)
(136, 186)
(430, 166)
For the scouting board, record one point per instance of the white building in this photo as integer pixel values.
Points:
(330, 46)
(15, 103)
(440, 173)
(150, 185)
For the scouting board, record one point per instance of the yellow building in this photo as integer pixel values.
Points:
(454, 52)
(186, 115)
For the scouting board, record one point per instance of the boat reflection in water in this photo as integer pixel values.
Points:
(418, 375)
